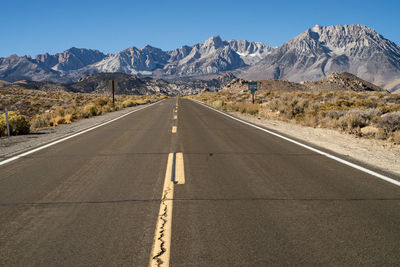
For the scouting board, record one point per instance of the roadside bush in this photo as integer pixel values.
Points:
(352, 121)
(57, 121)
(390, 122)
(60, 111)
(101, 101)
(334, 114)
(19, 124)
(396, 137)
(129, 103)
(107, 108)
(40, 121)
(381, 134)
(217, 103)
(89, 111)
(69, 118)
(142, 101)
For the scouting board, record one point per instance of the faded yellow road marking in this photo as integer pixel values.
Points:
(174, 129)
(175, 173)
(175, 117)
(161, 250)
(179, 169)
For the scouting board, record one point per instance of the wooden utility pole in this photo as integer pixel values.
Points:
(113, 91)
(8, 125)
(113, 85)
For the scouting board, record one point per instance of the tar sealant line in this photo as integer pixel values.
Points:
(71, 136)
(161, 250)
(348, 163)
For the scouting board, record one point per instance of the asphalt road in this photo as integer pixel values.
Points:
(249, 199)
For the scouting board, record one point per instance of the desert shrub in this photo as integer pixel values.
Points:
(142, 101)
(57, 121)
(355, 120)
(368, 103)
(334, 114)
(107, 108)
(390, 122)
(40, 121)
(218, 103)
(361, 118)
(249, 108)
(293, 108)
(69, 118)
(19, 124)
(352, 121)
(60, 111)
(89, 111)
(381, 134)
(129, 103)
(396, 137)
(101, 101)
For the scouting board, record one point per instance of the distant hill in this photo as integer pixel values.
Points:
(335, 81)
(127, 84)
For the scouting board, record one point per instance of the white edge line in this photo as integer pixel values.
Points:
(355, 166)
(71, 136)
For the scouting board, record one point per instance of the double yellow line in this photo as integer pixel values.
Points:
(174, 174)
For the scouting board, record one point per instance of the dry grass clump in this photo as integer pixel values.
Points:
(365, 114)
(44, 109)
(18, 124)
(134, 102)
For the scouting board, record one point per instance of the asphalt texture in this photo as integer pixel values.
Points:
(250, 199)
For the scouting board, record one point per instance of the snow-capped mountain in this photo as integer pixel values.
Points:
(319, 51)
(312, 55)
(14, 68)
(47, 67)
(250, 52)
(212, 57)
(133, 61)
(71, 59)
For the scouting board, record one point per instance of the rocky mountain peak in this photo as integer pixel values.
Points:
(214, 41)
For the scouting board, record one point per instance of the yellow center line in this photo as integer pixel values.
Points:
(175, 117)
(179, 169)
(174, 129)
(161, 250)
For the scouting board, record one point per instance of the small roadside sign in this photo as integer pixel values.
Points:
(253, 88)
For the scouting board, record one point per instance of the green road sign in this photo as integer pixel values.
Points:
(252, 87)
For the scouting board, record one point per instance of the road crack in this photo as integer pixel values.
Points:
(161, 233)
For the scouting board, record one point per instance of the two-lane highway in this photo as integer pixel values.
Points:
(248, 198)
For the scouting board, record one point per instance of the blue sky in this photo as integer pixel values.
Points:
(30, 27)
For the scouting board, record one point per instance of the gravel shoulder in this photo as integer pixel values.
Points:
(369, 151)
(10, 146)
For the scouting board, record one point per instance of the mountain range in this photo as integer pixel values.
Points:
(312, 55)
(320, 51)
